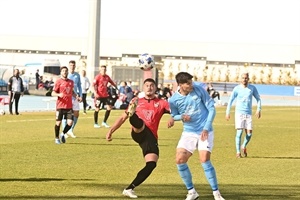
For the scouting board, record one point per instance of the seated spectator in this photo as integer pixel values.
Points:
(127, 91)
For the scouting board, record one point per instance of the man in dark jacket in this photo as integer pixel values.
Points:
(15, 90)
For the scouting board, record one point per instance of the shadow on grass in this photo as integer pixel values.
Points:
(274, 157)
(176, 191)
(40, 179)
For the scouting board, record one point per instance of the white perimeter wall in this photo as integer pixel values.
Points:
(260, 53)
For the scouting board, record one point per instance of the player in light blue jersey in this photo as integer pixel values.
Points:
(192, 105)
(75, 77)
(243, 94)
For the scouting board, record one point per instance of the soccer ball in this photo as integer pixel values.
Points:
(2, 112)
(224, 103)
(146, 62)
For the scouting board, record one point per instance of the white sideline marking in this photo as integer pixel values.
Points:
(35, 120)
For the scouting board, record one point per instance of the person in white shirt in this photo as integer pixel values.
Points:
(85, 85)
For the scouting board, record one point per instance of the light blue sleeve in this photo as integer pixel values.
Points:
(209, 104)
(257, 97)
(79, 85)
(174, 111)
(231, 99)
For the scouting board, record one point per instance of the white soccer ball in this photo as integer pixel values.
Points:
(224, 103)
(146, 61)
(2, 112)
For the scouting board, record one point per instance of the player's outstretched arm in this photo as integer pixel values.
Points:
(118, 123)
(258, 114)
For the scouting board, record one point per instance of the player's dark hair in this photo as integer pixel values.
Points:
(183, 77)
(150, 80)
(72, 61)
(63, 67)
(104, 66)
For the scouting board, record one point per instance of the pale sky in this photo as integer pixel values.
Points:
(229, 21)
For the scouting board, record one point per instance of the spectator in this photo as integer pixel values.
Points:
(85, 85)
(37, 79)
(15, 91)
(212, 92)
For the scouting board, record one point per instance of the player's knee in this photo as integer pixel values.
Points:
(180, 160)
(138, 130)
(151, 165)
(204, 159)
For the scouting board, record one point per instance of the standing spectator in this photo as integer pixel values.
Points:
(144, 115)
(163, 92)
(192, 105)
(212, 92)
(63, 89)
(15, 91)
(113, 95)
(167, 92)
(101, 96)
(159, 91)
(243, 112)
(85, 85)
(37, 79)
(75, 77)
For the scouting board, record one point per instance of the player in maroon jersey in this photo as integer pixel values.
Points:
(101, 95)
(63, 90)
(144, 115)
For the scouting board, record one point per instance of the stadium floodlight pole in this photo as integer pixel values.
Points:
(93, 56)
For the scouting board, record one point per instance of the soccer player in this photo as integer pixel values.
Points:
(63, 89)
(101, 96)
(75, 77)
(192, 105)
(144, 115)
(243, 112)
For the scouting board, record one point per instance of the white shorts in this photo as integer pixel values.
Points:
(75, 104)
(191, 141)
(243, 121)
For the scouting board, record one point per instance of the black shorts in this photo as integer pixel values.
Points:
(64, 114)
(146, 140)
(111, 101)
(101, 101)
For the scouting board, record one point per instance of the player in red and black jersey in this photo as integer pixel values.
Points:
(144, 115)
(63, 89)
(101, 95)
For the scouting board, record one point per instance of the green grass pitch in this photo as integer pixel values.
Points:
(89, 167)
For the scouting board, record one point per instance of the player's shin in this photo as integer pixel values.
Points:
(142, 175)
(186, 176)
(67, 128)
(96, 117)
(107, 113)
(238, 137)
(247, 139)
(210, 174)
(74, 122)
(56, 129)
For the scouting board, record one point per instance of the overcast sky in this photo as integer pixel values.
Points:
(230, 21)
